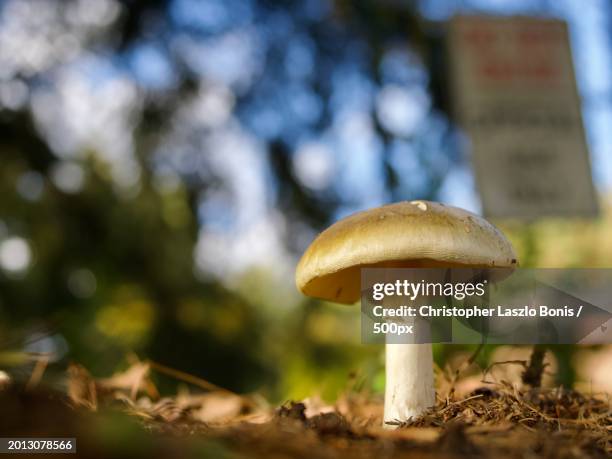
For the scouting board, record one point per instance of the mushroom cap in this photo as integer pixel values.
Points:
(415, 234)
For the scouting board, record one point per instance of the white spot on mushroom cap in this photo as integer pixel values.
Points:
(420, 204)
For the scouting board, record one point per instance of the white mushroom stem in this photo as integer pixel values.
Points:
(409, 389)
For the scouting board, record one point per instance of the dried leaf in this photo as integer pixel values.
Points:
(134, 380)
(82, 387)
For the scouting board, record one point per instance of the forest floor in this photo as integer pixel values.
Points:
(125, 416)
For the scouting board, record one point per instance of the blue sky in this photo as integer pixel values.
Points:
(589, 25)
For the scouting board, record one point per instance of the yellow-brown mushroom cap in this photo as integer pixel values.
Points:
(401, 235)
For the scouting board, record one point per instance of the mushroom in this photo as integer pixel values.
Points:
(416, 234)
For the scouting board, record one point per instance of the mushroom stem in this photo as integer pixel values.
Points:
(409, 388)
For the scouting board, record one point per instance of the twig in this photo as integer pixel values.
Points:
(37, 372)
(505, 362)
(532, 376)
(195, 380)
(459, 402)
(466, 364)
(188, 378)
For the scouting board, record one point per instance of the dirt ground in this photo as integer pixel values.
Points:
(124, 416)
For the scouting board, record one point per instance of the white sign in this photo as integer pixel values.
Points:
(515, 94)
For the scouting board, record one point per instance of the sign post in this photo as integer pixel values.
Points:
(515, 94)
